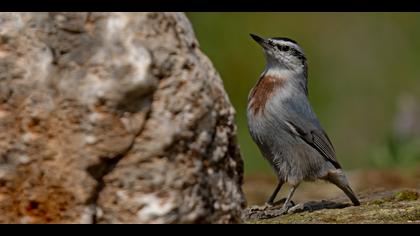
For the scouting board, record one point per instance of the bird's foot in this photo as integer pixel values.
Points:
(265, 207)
(286, 207)
(276, 206)
(268, 211)
(282, 211)
(314, 206)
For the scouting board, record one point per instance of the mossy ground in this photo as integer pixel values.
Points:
(401, 206)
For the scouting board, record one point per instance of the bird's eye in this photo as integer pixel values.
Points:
(283, 48)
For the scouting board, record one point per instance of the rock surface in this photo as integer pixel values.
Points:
(113, 118)
(397, 206)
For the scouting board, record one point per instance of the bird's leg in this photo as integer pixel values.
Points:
(270, 200)
(289, 198)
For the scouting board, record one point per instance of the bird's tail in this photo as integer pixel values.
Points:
(339, 179)
(349, 192)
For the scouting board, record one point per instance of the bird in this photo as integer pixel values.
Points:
(284, 126)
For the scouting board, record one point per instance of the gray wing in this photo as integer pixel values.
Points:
(303, 123)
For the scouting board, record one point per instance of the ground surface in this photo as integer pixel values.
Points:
(402, 206)
(387, 196)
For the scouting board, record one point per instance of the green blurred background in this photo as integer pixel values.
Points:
(364, 78)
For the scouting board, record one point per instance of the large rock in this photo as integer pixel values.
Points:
(113, 118)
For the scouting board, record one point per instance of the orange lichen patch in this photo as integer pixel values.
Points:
(4, 51)
(37, 199)
(263, 91)
(4, 113)
(48, 207)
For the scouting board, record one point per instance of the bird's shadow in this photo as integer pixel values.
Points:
(276, 210)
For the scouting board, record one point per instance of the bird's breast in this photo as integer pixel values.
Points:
(265, 89)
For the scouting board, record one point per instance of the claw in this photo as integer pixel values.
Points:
(268, 205)
(261, 208)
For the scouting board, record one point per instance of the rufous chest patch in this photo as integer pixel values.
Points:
(262, 92)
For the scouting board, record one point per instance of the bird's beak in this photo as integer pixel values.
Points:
(259, 40)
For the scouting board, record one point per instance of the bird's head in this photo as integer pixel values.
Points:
(282, 54)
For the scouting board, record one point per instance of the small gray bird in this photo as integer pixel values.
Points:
(284, 126)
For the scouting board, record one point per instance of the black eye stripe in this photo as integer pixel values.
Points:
(288, 48)
(284, 48)
(298, 54)
(291, 50)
